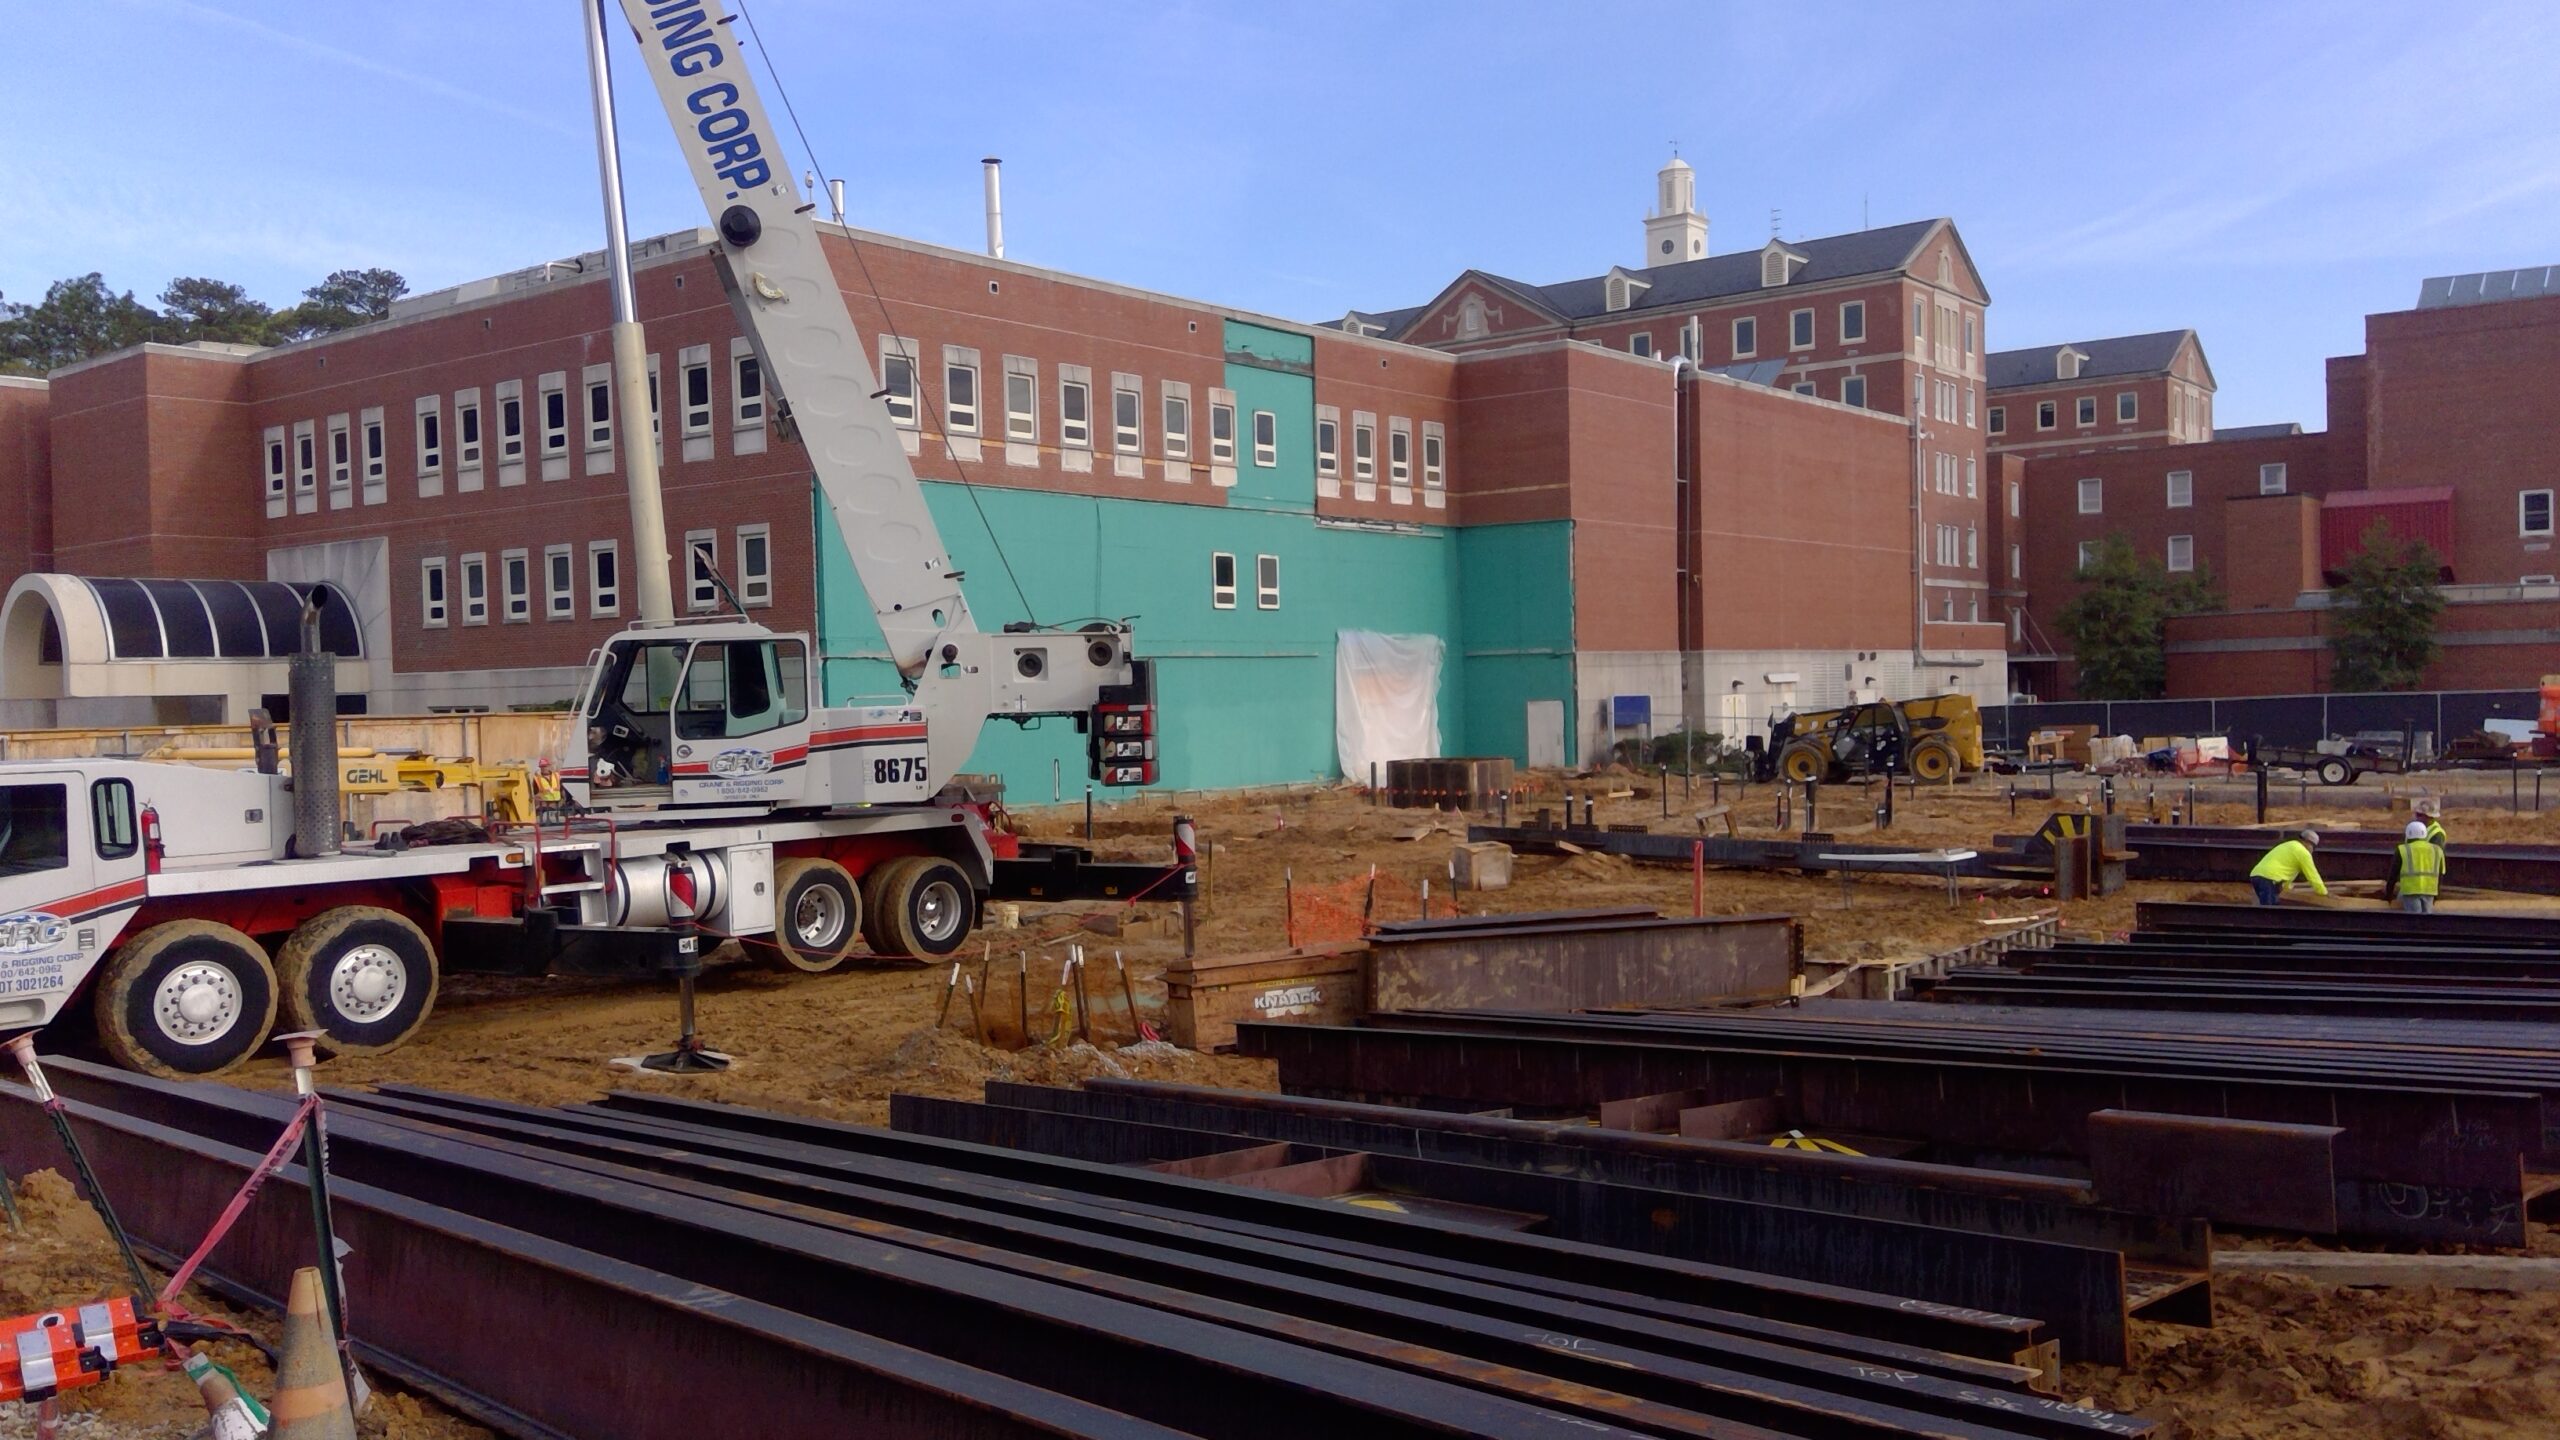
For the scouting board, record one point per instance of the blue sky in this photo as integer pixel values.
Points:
(2267, 173)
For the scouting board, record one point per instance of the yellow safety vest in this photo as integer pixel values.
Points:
(2421, 867)
(2435, 833)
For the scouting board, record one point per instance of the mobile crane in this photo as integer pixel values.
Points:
(714, 795)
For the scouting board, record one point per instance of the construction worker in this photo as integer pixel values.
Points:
(2426, 815)
(2417, 870)
(2288, 862)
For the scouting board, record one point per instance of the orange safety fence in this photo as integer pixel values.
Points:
(1346, 910)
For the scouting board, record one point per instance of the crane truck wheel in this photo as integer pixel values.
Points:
(922, 906)
(1801, 762)
(817, 917)
(1933, 759)
(362, 976)
(186, 998)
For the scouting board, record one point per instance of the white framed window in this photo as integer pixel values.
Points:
(2533, 514)
(1266, 439)
(1328, 451)
(1919, 396)
(2128, 406)
(515, 585)
(342, 468)
(2044, 414)
(1399, 450)
(466, 439)
(2017, 562)
(2182, 553)
(1853, 390)
(1853, 322)
(755, 565)
(693, 375)
(2088, 553)
(2271, 479)
(1266, 582)
(1075, 407)
(898, 381)
(1919, 320)
(2182, 489)
(604, 578)
(1640, 343)
(1021, 402)
(1800, 330)
(2085, 410)
(559, 582)
(1222, 580)
(1364, 455)
(1176, 395)
(1127, 419)
(1693, 339)
(553, 390)
(702, 569)
(1972, 474)
(2017, 502)
(1435, 456)
(657, 414)
(430, 431)
(2018, 626)
(1746, 338)
(959, 390)
(510, 399)
(1804, 387)
(278, 461)
(1968, 406)
(433, 602)
(475, 589)
(376, 449)
(1222, 427)
(1999, 418)
(1972, 548)
(598, 380)
(746, 393)
(2093, 496)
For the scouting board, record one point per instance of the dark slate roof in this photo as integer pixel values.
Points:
(1751, 372)
(2122, 355)
(1689, 282)
(2256, 432)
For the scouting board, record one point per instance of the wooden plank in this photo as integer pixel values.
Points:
(2451, 1272)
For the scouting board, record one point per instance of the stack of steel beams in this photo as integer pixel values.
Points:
(2285, 1122)
(2227, 852)
(657, 1267)
(2492, 969)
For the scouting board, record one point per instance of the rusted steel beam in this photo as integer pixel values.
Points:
(2539, 932)
(475, 1312)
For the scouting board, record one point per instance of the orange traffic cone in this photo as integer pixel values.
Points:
(311, 1391)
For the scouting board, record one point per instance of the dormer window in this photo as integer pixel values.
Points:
(1778, 264)
(1471, 319)
(2066, 363)
(1622, 290)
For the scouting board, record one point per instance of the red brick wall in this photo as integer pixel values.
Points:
(2486, 647)
(1392, 383)
(1625, 521)
(26, 484)
(156, 454)
(1805, 524)
(2350, 387)
(2464, 396)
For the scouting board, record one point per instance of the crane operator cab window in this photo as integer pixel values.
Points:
(627, 731)
(735, 688)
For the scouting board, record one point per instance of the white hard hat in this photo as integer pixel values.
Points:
(2417, 831)
(2310, 837)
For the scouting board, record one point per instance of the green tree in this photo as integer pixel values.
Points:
(2382, 632)
(77, 318)
(2115, 622)
(195, 307)
(346, 299)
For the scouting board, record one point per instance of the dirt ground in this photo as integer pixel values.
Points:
(2286, 1358)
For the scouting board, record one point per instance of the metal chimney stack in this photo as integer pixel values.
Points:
(835, 198)
(995, 207)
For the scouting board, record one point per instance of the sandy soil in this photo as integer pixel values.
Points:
(2288, 1359)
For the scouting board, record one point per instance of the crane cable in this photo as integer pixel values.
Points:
(968, 486)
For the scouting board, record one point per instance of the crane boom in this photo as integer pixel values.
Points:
(787, 300)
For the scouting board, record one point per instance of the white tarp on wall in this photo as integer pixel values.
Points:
(1386, 699)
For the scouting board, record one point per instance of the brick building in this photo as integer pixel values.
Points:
(2129, 392)
(2442, 430)
(1573, 520)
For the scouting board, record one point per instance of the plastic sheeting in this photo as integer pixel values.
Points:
(1386, 699)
